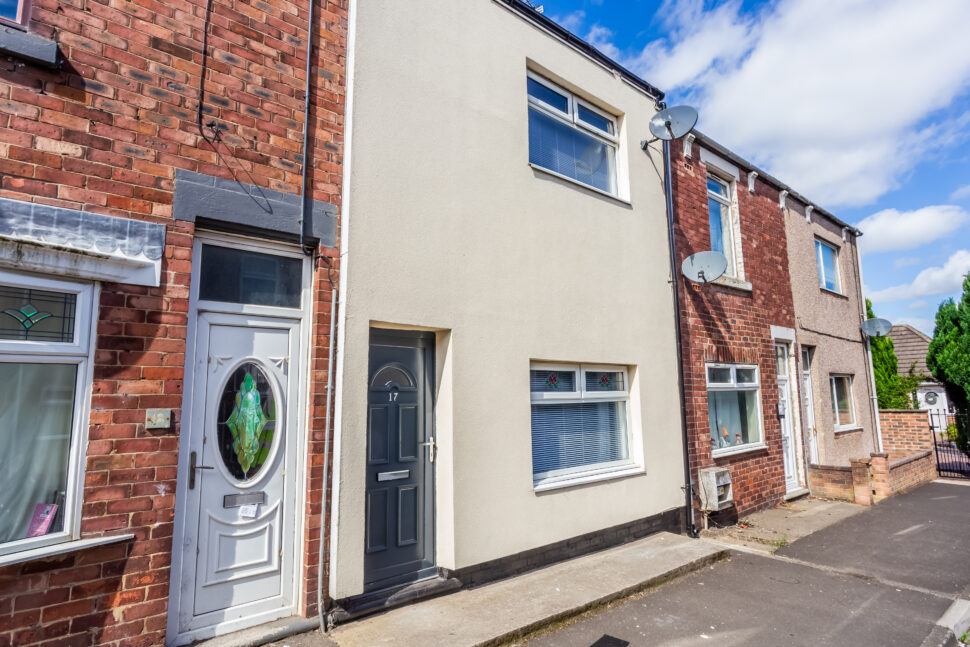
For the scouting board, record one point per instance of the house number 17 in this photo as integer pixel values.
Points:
(392, 396)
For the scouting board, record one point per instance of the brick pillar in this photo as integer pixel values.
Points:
(861, 487)
(879, 464)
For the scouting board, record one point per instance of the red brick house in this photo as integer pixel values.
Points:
(168, 251)
(737, 333)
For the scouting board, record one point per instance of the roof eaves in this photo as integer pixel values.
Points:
(530, 14)
(768, 178)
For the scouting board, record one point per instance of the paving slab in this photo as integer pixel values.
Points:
(496, 612)
(769, 530)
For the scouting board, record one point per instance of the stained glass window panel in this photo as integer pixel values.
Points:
(37, 315)
(246, 422)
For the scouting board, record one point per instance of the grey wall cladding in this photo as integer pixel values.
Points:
(204, 197)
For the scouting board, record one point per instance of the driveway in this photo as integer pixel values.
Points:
(882, 577)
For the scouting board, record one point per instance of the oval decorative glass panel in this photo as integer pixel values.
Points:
(246, 423)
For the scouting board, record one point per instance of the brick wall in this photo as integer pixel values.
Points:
(831, 481)
(105, 133)
(870, 480)
(905, 431)
(724, 324)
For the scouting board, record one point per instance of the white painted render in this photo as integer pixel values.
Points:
(453, 231)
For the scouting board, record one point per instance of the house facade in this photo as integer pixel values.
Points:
(839, 406)
(737, 332)
(507, 385)
(168, 251)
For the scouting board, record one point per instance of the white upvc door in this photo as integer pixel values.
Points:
(809, 407)
(785, 416)
(237, 550)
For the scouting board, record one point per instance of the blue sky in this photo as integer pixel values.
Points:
(861, 105)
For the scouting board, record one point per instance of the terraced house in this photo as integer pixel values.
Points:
(171, 177)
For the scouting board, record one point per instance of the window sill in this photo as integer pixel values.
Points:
(846, 430)
(731, 282)
(833, 293)
(734, 451)
(29, 47)
(60, 549)
(582, 478)
(566, 178)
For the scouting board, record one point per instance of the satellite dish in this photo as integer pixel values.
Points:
(876, 327)
(704, 267)
(673, 123)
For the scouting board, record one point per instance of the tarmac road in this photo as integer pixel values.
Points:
(883, 577)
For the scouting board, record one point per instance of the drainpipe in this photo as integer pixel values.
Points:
(688, 480)
(874, 397)
(307, 197)
(326, 453)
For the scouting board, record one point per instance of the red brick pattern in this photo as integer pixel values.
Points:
(831, 482)
(874, 479)
(105, 133)
(905, 432)
(724, 324)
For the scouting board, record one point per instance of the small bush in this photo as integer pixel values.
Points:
(952, 433)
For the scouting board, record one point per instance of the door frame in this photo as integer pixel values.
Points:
(299, 408)
(808, 402)
(788, 419)
(428, 340)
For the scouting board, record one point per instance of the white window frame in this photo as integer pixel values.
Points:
(736, 267)
(835, 402)
(80, 352)
(598, 471)
(23, 16)
(571, 118)
(820, 266)
(734, 385)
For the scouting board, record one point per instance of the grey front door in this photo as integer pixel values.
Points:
(399, 537)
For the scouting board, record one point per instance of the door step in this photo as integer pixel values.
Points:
(262, 634)
(796, 494)
(390, 598)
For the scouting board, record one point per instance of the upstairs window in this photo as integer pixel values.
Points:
(828, 266)
(570, 137)
(15, 13)
(719, 198)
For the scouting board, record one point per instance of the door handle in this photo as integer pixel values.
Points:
(192, 467)
(432, 448)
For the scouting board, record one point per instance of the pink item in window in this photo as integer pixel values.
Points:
(40, 523)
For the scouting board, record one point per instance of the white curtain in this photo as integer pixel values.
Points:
(36, 410)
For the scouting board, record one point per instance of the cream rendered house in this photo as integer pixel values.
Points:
(507, 371)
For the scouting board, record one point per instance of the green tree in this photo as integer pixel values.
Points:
(893, 390)
(949, 356)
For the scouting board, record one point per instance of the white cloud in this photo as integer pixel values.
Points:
(893, 230)
(917, 305)
(573, 21)
(905, 261)
(960, 194)
(841, 102)
(930, 281)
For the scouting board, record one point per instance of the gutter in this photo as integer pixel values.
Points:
(675, 285)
